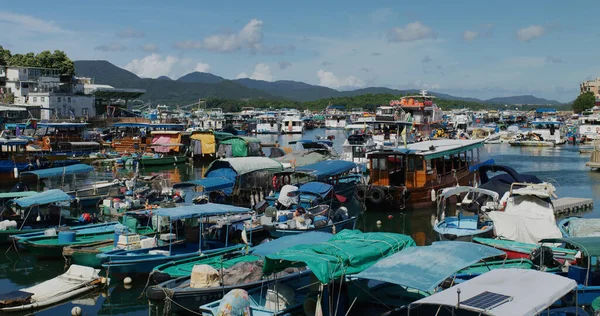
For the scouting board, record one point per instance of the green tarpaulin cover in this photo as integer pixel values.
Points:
(348, 252)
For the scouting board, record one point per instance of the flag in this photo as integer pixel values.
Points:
(407, 129)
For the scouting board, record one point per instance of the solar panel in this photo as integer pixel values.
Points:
(486, 300)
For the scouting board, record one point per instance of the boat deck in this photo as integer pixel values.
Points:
(570, 205)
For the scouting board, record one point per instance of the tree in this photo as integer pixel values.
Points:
(584, 101)
(4, 56)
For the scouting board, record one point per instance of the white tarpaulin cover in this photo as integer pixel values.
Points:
(286, 200)
(526, 219)
(531, 291)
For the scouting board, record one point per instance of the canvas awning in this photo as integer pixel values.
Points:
(208, 142)
(590, 246)
(243, 165)
(46, 197)
(528, 291)
(207, 184)
(200, 210)
(347, 252)
(425, 268)
(285, 242)
(327, 168)
(59, 171)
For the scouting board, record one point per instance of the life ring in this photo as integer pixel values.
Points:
(276, 182)
(377, 196)
(361, 193)
(47, 141)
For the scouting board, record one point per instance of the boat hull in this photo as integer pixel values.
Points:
(337, 227)
(162, 160)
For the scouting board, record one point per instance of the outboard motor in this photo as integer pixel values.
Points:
(543, 256)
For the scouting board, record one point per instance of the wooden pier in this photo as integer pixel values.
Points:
(569, 206)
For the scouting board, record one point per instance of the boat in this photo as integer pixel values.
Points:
(531, 139)
(521, 250)
(243, 268)
(292, 123)
(239, 146)
(203, 145)
(418, 272)
(336, 121)
(355, 148)
(76, 281)
(404, 177)
(579, 227)
(499, 292)
(141, 261)
(267, 124)
(421, 110)
(304, 152)
(460, 226)
(346, 253)
(589, 126)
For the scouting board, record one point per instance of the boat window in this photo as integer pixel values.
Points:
(411, 164)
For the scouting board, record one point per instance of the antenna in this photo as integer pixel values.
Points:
(423, 93)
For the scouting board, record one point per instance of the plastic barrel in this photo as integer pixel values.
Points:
(66, 237)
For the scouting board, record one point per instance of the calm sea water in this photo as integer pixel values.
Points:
(564, 166)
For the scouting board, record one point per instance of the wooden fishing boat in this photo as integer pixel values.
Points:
(142, 261)
(76, 281)
(405, 177)
(249, 265)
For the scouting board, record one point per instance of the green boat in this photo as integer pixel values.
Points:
(52, 246)
(161, 161)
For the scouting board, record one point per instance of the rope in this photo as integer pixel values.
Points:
(146, 286)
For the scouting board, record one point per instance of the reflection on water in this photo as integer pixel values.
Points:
(564, 166)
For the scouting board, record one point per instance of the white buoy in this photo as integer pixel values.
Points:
(127, 286)
(76, 311)
(378, 223)
(433, 195)
(16, 172)
(127, 280)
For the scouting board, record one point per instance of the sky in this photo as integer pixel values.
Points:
(480, 49)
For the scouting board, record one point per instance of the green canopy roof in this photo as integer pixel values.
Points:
(588, 245)
(348, 252)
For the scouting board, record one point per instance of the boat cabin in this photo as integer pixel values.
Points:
(407, 175)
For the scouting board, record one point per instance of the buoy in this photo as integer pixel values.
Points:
(16, 172)
(378, 222)
(38, 218)
(127, 280)
(390, 216)
(103, 280)
(76, 311)
(432, 195)
(127, 286)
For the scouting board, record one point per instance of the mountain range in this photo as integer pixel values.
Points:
(196, 85)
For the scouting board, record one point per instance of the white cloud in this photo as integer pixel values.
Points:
(329, 79)
(27, 23)
(155, 65)
(411, 32)
(131, 33)
(250, 36)
(527, 34)
(202, 67)
(470, 35)
(111, 47)
(151, 48)
(261, 72)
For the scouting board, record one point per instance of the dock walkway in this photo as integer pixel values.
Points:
(570, 205)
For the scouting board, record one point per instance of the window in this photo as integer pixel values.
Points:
(69, 99)
(84, 111)
(58, 99)
(34, 99)
(43, 99)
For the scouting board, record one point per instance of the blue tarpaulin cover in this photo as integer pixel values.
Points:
(326, 168)
(200, 210)
(45, 197)
(53, 172)
(289, 241)
(318, 188)
(208, 184)
(424, 268)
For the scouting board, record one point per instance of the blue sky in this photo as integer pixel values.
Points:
(478, 49)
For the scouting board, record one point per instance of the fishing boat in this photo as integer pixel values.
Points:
(579, 227)
(304, 152)
(500, 292)
(405, 177)
(530, 139)
(336, 120)
(348, 252)
(460, 226)
(141, 261)
(267, 124)
(521, 250)
(355, 148)
(418, 272)
(76, 281)
(292, 123)
(238, 270)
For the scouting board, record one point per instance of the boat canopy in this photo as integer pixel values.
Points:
(13, 141)
(425, 268)
(207, 184)
(59, 171)
(207, 141)
(16, 195)
(316, 188)
(285, 242)
(431, 149)
(149, 125)
(243, 165)
(525, 292)
(309, 141)
(46, 197)
(448, 192)
(347, 252)
(327, 168)
(62, 125)
(200, 210)
(590, 246)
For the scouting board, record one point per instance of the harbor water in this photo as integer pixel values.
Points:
(564, 166)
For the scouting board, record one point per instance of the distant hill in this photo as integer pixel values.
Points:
(192, 86)
(164, 91)
(200, 77)
(522, 99)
